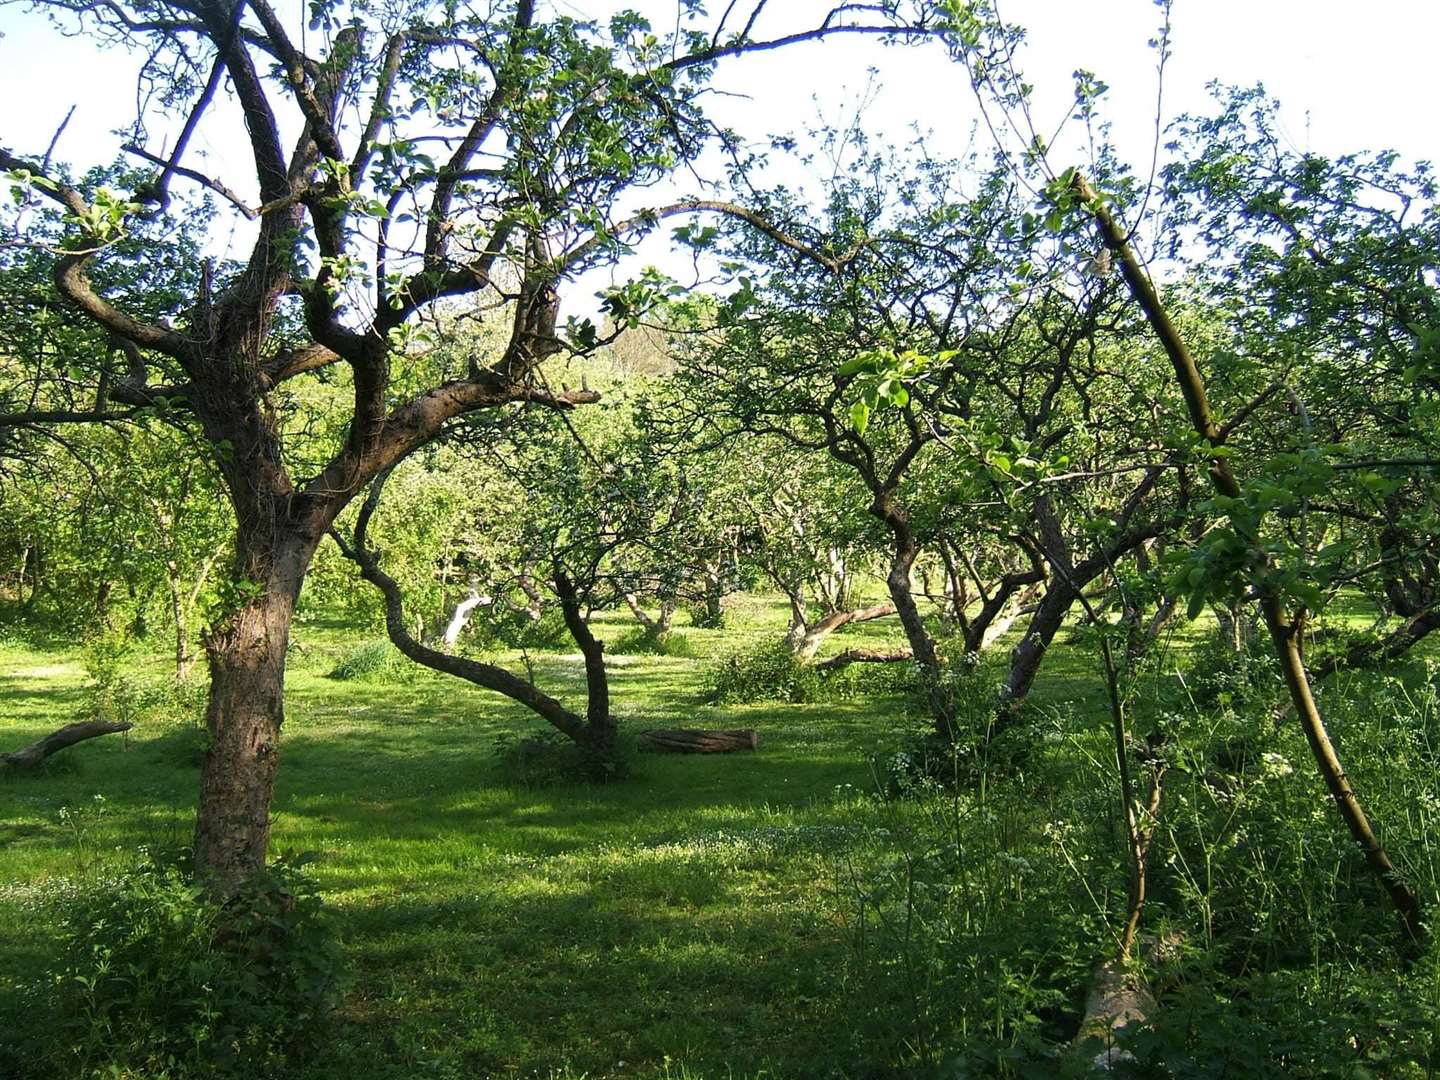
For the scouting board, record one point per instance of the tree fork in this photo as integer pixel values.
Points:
(1282, 630)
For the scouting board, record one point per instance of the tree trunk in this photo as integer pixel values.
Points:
(865, 656)
(597, 680)
(813, 637)
(714, 599)
(1029, 652)
(183, 659)
(37, 576)
(460, 619)
(658, 625)
(904, 552)
(69, 735)
(246, 709)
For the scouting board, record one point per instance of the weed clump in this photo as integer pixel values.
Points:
(645, 642)
(158, 978)
(770, 672)
(550, 760)
(374, 661)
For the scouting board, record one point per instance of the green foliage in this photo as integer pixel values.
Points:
(1220, 675)
(644, 641)
(771, 672)
(376, 660)
(980, 748)
(550, 759)
(968, 949)
(157, 978)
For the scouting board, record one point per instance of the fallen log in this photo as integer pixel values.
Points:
(69, 735)
(1116, 999)
(698, 741)
(865, 656)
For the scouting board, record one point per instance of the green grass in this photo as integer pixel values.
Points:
(696, 919)
(680, 918)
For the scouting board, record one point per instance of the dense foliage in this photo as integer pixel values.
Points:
(1069, 536)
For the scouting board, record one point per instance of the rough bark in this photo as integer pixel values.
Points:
(246, 655)
(33, 755)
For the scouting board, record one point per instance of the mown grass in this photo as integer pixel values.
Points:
(697, 918)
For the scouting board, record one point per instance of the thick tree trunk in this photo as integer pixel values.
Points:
(246, 709)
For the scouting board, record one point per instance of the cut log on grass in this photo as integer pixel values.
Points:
(697, 741)
(865, 656)
(68, 735)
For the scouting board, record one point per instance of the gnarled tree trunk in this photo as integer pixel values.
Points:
(246, 654)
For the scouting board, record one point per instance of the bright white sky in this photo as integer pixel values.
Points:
(1349, 77)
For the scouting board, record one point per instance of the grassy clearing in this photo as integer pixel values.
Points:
(728, 916)
(681, 918)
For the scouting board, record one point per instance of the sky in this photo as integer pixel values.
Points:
(1349, 77)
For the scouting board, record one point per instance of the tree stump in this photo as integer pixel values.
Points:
(69, 735)
(699, 741)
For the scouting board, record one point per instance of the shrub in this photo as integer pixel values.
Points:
(641, 641)
(159, 979)
(377, 661)
(928, 762)
(767, 672)
(702, 618)
(770, 672)
(512, 629)
(551, 759)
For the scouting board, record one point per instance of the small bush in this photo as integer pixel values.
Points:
(641, 641)
(767, 672)
(159, 979)
(702, 618)
(551, 759)
(980, 747)
(377, 661)
(770, 672)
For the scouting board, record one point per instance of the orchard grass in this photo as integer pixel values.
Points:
(696, 918)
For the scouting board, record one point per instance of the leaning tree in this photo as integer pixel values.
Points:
(399, 157)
